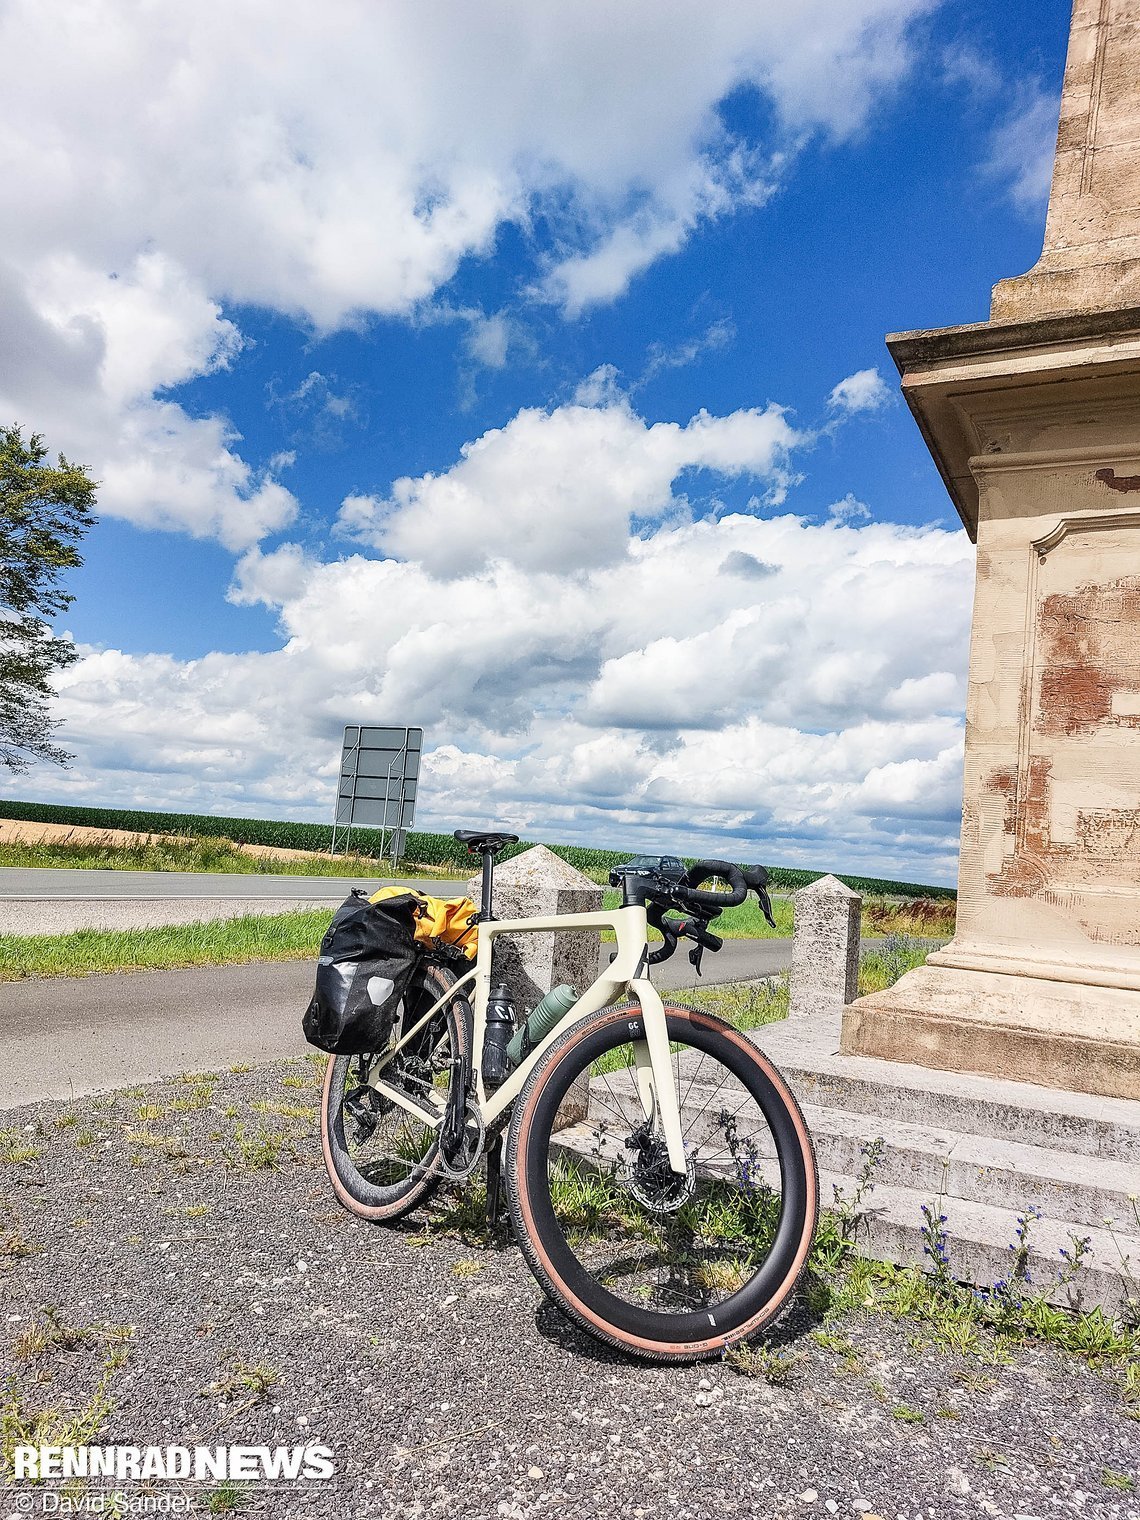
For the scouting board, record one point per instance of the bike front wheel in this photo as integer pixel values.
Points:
(668, 1266)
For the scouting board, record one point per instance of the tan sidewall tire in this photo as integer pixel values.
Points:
(538, 1258)
(421, 1189)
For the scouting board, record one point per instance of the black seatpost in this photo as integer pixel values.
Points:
(488, 872)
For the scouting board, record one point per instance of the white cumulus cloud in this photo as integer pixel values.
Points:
(557, 490)
(753, 682)
(334, 161)
(864, 391)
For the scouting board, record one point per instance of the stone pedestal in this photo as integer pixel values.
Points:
(1035, 426)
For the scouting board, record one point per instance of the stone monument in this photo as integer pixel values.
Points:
(1034, 421)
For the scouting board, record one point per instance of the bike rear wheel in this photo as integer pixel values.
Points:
(667, 1267)
(382, 1160)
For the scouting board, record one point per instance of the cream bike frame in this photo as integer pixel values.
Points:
(656, 1085)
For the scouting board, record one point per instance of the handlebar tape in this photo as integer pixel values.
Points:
(701, 870)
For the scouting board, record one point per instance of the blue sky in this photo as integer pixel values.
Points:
(390, 342)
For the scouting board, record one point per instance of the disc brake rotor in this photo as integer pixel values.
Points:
(651, 1179)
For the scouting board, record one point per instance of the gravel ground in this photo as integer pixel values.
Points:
(436, 1372)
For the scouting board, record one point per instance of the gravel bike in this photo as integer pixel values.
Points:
(659, 1174)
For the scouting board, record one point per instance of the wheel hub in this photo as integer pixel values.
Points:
(651, 1179)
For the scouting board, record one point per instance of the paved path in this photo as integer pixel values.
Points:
(50, 884)
(66, 1036)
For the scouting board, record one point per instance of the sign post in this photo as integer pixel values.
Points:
(379, 774)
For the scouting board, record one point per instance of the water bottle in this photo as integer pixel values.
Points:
(499, 1029)
(551, 1011)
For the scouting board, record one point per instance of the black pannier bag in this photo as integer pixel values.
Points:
(366, 959)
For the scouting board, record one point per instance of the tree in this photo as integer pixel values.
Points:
(45, 510)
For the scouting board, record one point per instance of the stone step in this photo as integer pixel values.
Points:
(978, 1240)
(1069, 1188)
(890, 1227)
(1073, 1189)
(807, 1053)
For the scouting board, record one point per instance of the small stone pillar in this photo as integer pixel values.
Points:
(537, 884)
(825, 949)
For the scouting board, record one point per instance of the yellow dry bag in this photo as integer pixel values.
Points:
(439, 920)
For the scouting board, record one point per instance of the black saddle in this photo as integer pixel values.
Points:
(477, 842)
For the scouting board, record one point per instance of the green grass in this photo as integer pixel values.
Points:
(747, 1005)
(881, 967)
(255, 937)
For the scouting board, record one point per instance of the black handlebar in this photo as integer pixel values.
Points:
(662, 885)
(700, 871)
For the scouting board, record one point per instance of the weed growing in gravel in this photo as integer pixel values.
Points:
(832, 1342)
(239, 1068)
(243, 1386)
(224, 1499)
(908, 1414)
(148, 1112)
(65, 1121)
(170, 1147)
(1110, 1478)
(22, 1424)
(461, 1212)
(15, 1244)
(84, 1139)
(263, 1151)
(760, 1361)
(302, 1111)
(53, 1334)
(467, 1268)
(14, 1149)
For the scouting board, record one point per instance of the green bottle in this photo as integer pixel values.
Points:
(551, 1011)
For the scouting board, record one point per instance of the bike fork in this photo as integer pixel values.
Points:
(656, 1086)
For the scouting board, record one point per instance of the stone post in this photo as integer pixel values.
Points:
(825, 949)
(537, 884)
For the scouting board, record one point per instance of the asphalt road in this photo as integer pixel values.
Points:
(51, 883)
(67, 1036)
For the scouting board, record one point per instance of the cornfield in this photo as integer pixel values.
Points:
(422, 848)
